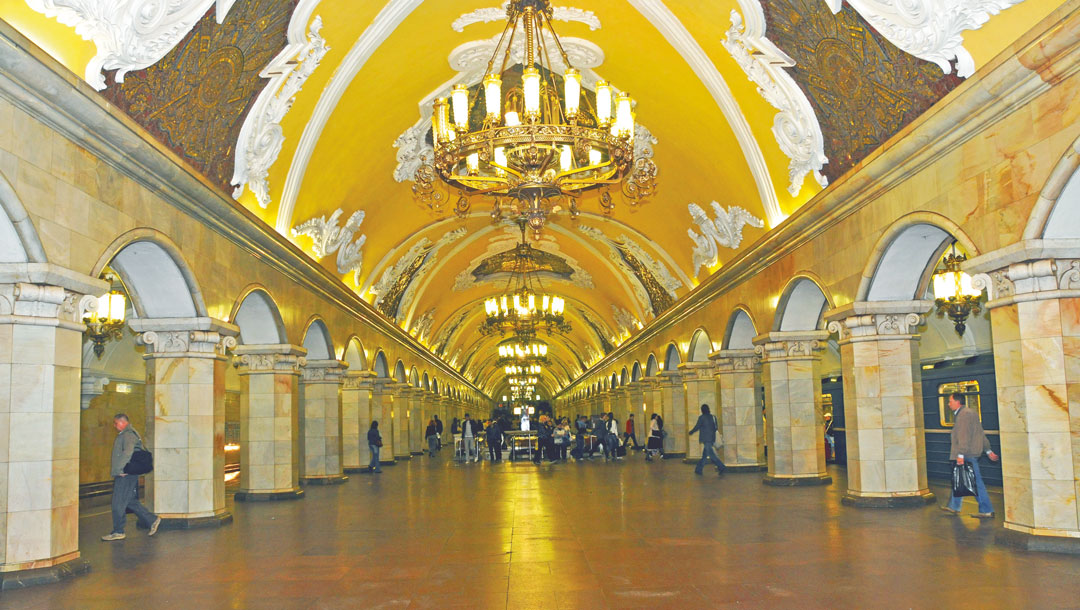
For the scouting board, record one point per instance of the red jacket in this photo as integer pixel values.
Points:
(629, 426)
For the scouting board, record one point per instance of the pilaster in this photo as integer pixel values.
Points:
(738, 387)
(883, 409)
(417, 421)
(382, 410)
(320, 422)
(673, 403)
(40, 366)
(699, 388)
(401, 421)
(356, 401)
(185, 418)
(269, 421)
(790, 372)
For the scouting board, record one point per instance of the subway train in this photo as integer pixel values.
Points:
(973, 377)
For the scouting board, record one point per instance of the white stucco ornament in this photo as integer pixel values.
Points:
(929, 29)
(493, 13)
(129, 34)
(327, 238)
(261, 136)
(723, 231)
(795, 126)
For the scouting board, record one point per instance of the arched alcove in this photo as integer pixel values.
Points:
(259, 320)
(317, 341)
(399, 372)
(19, 241)
(700, 346)
(354, 355)
(801, 306)
(672, 359)
(1056, 214)
(904, 258)
(651, 366)
(624, 376)
(635, 372)
(426, 382)
(740, 331)
(382, 368)
(157, 278)
(414, 378)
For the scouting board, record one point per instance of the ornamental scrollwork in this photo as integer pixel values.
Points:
(327, 238)
(559, 13)
(725, 230)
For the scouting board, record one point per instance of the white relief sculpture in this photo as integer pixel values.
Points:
(929, 29)
(261, 136)
(412, 150)
(625, 321)
(723, 231)
(327, 237)
(643, 142)
(129, 34)
(422, 328)
(559, 13)
(795, 126)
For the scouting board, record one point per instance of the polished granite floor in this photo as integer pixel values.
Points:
(628, 534)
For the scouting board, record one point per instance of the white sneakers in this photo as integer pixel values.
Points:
(113, 536)
(154, 526)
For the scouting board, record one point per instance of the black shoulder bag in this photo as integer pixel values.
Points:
(141, 462)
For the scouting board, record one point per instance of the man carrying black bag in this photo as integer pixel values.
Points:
(126, 486)
(968, 443)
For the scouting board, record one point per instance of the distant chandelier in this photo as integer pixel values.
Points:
(523, 310)
(517, 369)
(516, 349)
(538, 143)
(954, 294)
(516, 381)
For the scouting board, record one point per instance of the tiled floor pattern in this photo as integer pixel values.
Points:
(629, 534)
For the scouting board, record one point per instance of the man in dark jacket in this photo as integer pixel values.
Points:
(126, 486)
(706, 428)
(968, 443)
(494, 441)
(438, 432)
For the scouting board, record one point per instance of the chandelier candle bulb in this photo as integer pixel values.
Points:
(566, 158)
(572, 91)
(500, 159)
(493, 96)
(594, 157)
(530, 80)
(603, 103)
(473, 163)
(460, 99)
(511, 119)
(624, 117)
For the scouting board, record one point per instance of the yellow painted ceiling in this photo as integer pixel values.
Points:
(352, 164)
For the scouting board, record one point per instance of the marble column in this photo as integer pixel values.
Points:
(382, 410)
(355, 419)
(738, 387)
(418, 419)
(1034, 305)
(401, 416)
(790, 372)
(185, 418)
(635, 402)
(269, 421)
(320, 422)
(40, 364)
(699, 388)
(673, 403)
(883, 408)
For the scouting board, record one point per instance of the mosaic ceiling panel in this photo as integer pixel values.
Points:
(862, 88)
(196, 98)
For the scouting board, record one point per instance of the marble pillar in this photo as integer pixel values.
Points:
(673, 403)
(790, 372)
(320, 422)
(355, 419)
(738, 387)
(635, 403)
(418, 418)
(1034, 305)
(401, 417)
(269, 421)
(40, 364)
(185, 415)
(883, 408)
(382, 410)
(699, 388)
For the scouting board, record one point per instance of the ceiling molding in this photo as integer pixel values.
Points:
(678, 37)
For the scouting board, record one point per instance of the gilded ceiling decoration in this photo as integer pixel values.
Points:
(654, 284)
(597, 327)
(863, 88)
(194, 100)
(396, 288)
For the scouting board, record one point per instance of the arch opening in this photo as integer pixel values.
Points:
(802, 306)
(259, 320)
(740, 331)
(317, 341)
(700, 346)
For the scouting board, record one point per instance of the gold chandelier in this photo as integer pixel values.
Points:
(514, 381)
(518, 369)
(107, 321)
(520, 349)
(953, 293)
(524, 311)
(529, 139)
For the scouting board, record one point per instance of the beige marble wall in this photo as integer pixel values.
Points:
(96, 433)
(738, 387)
(635, 402)
(320, 421)
(355, 420)
(382, 408)
(418, 420)
(790, 363)
(699, 387)
(883, 408)
(402, 420)
(673, 403)
(269, 420)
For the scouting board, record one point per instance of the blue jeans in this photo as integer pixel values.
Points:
(708, 454)
(126, 496)
(432, 444)
(374, 465)
(980, 491)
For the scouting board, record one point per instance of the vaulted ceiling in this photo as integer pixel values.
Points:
(347, 82)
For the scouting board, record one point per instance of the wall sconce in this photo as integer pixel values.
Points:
(108, 321)
(953, 293)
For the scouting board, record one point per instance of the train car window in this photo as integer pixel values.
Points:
(970, 390)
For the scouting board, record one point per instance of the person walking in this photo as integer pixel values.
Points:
(126, 486)
(612, 436)
(432, 436)
(629, 434)
(470, 431)
(494, 441)
(438, 433)
(582, 430)
(562, 439)
(969, 442)
(374, 441)
(455, 431)
(707, 427)
(544, 445)
(655, 444)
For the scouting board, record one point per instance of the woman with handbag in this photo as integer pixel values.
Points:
(655, 444)
(374, 440)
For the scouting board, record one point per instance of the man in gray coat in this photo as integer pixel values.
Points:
(706, 428)
(126, 486)
(968, 443)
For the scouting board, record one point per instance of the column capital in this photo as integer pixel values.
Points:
(877, 320)
(355, 380)
(697, 371)
(323, 371)
(279, 358)
(668, 379)
(184, 337)
(730, 360)
(1031, 270)
(59, 297)
(784, 345)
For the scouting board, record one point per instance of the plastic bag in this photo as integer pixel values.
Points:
(963, 480)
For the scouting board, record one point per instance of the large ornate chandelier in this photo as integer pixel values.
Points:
(530, 140)
(523, 311)
(518, 369)
(519, 349)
